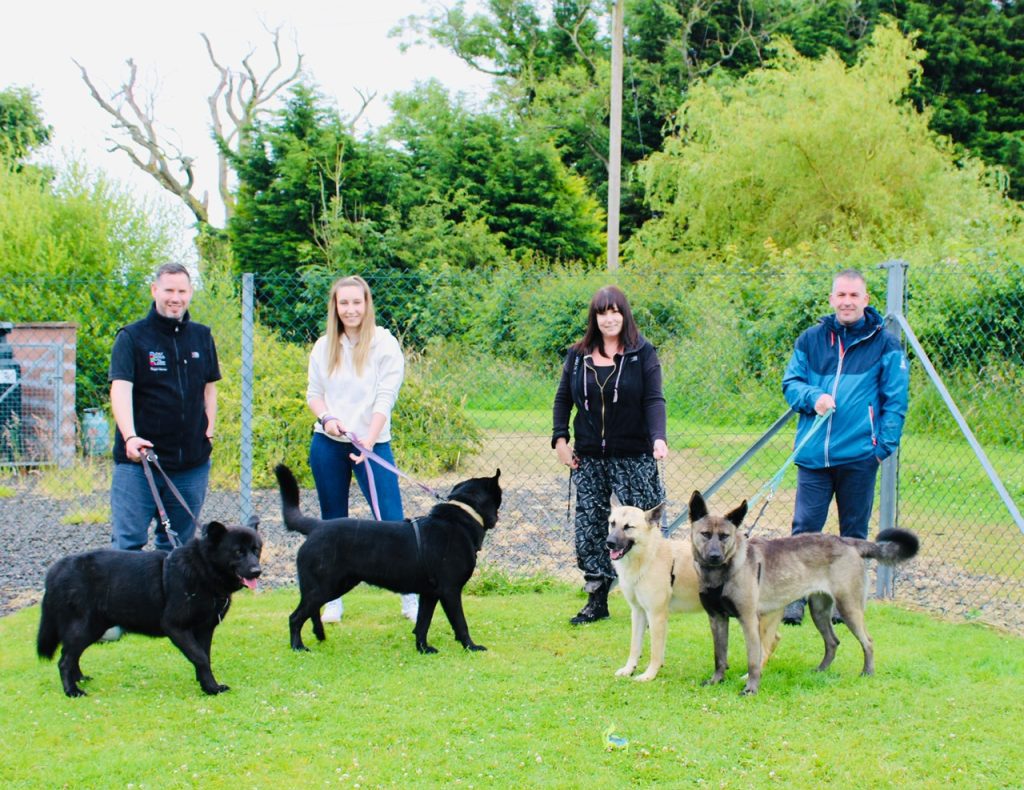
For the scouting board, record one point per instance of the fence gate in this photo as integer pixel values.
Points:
(34, 426)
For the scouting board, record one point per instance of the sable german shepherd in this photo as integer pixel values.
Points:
(753, 580)
(657, 575)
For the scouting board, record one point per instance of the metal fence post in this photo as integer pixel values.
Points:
(887, 502)
(248, 320)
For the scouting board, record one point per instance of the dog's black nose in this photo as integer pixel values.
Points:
(254, 573)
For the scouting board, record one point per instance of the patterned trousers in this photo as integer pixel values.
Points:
(635, 482)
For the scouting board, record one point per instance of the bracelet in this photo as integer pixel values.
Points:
(129, 438)
(326, 419)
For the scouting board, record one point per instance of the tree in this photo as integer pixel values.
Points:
(238, 100)
(971, 78)
(78, 248)
(811, 151)
(553, 72)
(485, 165)
(22, 127)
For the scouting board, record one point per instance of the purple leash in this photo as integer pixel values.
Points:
(372, 456)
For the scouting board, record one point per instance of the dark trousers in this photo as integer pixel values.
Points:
(853, 487)
(635, 482)
(333, 470)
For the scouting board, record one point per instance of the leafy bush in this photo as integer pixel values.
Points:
(431, 428)
(78, 250)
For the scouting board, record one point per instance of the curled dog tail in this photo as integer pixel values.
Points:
(891, 546)
(293, 518)
(49, 638)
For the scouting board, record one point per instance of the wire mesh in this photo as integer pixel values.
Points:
(484, 351)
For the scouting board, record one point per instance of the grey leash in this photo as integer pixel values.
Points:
(148, 458)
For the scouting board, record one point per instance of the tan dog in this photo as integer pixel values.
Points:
(657, 576)
(753, 580)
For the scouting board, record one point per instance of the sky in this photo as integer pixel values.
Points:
(344, 43)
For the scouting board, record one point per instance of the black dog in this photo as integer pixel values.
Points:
(433, 556)
(182, 595)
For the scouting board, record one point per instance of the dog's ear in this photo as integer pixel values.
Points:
(497, 474)
(655, 514)
(736, 516)
(697, 507)
(253, 522)
(614, 501)
(214, 531)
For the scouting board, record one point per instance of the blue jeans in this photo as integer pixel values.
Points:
(332, 472)
(852, 485)
(132, 507)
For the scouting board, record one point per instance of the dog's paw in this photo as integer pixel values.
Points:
(648, 675)
(475, 647)
(748, 691)
(76, 692)
(625, 672)
(217, 688)
(426, 649)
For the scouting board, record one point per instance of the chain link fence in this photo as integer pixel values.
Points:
(484, 351)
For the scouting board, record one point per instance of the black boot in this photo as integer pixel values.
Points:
(596, 608)
(794, 613)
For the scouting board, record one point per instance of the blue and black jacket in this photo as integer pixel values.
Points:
(865, 371)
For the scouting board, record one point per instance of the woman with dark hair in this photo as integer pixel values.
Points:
(613, 379)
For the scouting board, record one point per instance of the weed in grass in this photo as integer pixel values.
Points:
(88, 476)
(96, 515)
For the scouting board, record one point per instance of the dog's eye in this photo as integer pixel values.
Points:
(706, 535)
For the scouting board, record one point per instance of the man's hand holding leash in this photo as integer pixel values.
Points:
(133, 447)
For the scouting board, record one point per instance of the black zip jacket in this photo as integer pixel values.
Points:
(625, 417)
(169, 363)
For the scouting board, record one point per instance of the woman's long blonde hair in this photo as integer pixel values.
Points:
(361, 350)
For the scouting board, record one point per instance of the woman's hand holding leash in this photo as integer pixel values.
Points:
(660, 450)
(565, 454)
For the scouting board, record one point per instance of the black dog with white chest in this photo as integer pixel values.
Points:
(433, 556)
(182, 595)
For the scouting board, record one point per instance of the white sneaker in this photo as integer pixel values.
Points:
(410, 606)
(112, 634)
(332, 611)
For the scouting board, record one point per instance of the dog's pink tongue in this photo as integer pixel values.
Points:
(615, 553)
(250, 583)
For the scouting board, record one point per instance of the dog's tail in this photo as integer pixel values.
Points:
(49, 637)
(891, 546)
(293, 518)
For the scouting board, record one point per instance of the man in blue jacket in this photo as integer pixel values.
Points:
(850, 369)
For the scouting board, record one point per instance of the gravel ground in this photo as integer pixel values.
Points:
(532, 537)
(26, 552)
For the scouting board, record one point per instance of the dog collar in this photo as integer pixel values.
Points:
(476, 516)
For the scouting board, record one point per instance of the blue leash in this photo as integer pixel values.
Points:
(772, 485)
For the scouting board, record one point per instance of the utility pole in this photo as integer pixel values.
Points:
(615, 137)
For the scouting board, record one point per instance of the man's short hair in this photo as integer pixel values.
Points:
(171, 268)
(850, 274)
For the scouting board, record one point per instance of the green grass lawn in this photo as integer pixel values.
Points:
(363, 709)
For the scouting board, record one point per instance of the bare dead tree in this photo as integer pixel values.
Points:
(242, 95)
(147, 151)
(235, 104)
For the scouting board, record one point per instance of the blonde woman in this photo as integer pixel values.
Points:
(355, 372)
